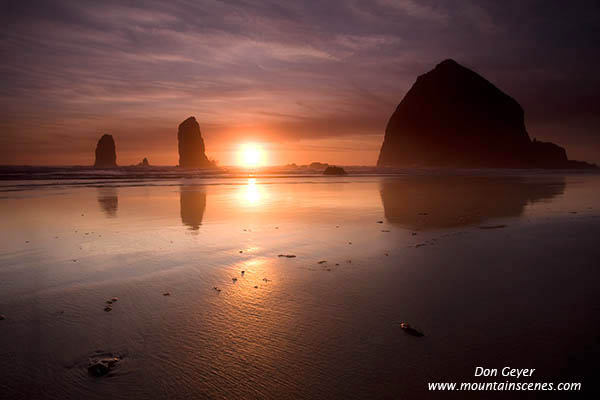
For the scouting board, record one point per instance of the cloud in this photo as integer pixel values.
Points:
(292, 70)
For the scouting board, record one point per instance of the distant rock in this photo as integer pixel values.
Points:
(318, 166)
(333, 170)
(144, 163)
(106, 154)
(191, 145)
(453, 117)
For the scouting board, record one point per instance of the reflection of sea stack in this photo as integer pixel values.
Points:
(192, 205)
(428, 202)
(108, 201)
(191, 145)
(453, 117)
(106, 154)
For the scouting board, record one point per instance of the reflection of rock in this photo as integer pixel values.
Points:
(108, 200)
(106, 153)
(191, 145)
(192, 203)
(429, 202)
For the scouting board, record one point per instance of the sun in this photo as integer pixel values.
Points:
(251, 155)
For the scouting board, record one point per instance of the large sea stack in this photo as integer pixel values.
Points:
(106, 154)
(453, 117)
(191, 145)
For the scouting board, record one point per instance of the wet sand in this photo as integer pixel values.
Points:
(496, 271)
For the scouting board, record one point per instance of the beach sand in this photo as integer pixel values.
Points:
(494, 270)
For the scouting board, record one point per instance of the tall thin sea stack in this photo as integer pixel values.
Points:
(191, 145)
(106, 153)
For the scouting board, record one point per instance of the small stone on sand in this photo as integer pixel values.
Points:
(322, 262)
(243, 272)
(108, 308)
(414, 233)
(166, 293)
(2, 317)
(234, 279)
(410, 330)
(491, 226)
(384, 230)
(114, 299)
(380, 222)
(287, 255)
(256, 287)
(101, 367)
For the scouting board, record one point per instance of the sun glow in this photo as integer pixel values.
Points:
(251, 155)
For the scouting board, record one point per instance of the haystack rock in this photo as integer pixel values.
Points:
(453, 117)
(106, 154)
(191, 145)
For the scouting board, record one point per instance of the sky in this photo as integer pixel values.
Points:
(306, 80)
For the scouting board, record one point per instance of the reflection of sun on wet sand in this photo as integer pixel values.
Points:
(450, 201)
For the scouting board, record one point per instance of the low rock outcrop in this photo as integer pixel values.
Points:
(144, 163)
(333, 170)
